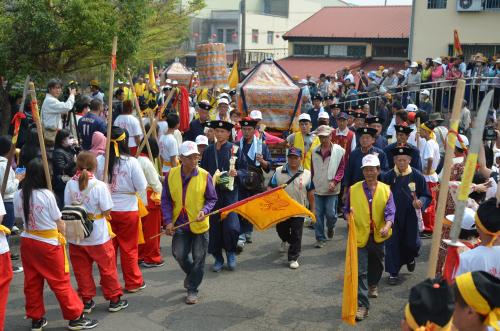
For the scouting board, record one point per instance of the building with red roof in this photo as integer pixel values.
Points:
(356, 37)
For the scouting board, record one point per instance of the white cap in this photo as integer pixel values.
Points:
(464, 140)
(324, 115)
(119, 81)
(304, 117)
(223, 101)
(438, 60)
(425, 92)
(127, 83)
(256, 115)
(174, 82)
(370, 160)
(468, 220)
(201, 140)
(303, 81)
(188, 147)
(411, 108)
(168, 81)
(224, 95)
(497, 154)
(401, 72)
(414, 65)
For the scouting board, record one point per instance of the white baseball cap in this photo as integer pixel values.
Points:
(411, 108)
(464, 140)
(224, 95)
(201, 140)
(168, 81)
(414, 65)
(119, 81)
(497, 154)
(324, 115)
(174, 82)
(304, 117)
(188, 147)
(425, 92)
(303, 81)
(370, 160)
(468, 220)
(256, 115)
(438, 60)
(223, 101)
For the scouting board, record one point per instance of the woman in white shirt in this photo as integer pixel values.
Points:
(6, 269)
(125, 179)
(149, 252)
(43, 252)
(131, 124)
(94, 196)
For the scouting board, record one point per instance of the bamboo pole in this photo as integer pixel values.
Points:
(110, 107)
(39, 131)
(12, 150)
(445, 179)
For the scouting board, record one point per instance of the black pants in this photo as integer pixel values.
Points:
(291, 232)
(370, 268)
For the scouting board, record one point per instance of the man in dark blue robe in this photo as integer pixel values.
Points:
(197, 126)
(410, 195)
(223, 234)
(402, 134)
(376, 123)
(258, 160)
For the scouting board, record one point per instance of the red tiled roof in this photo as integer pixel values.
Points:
(356, 22)
(303, 66)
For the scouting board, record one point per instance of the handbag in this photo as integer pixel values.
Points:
(78, 223)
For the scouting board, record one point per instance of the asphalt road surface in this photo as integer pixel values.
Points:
(262, 294)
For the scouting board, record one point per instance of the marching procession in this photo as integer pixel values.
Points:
(207, 158)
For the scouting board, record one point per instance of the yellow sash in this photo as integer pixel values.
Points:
(53, 234)
(298, 142)
(4, 229)
(93, 217)
(143, 211)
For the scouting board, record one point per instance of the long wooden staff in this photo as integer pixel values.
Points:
(39, 131)
(417, 135)
(138, 109)
(12, 150)
(445, 179)
(110, 107)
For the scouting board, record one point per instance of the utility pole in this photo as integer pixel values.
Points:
(243, 23)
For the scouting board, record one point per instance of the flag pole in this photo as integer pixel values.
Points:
(445, 181)
(110, 107)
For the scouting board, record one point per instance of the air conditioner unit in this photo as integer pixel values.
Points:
(469, 5)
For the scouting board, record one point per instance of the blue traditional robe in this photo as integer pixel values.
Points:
(415, 162)
(353, 172)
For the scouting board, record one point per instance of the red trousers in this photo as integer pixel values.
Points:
(82, 259)
(5, 278)
(429, 215)
(125, 226)
(42, 261)
(149, 252)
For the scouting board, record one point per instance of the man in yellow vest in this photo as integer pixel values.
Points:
(188, 196)
(372, 206)
(304, 140)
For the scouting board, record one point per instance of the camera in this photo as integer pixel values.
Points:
(489, 133)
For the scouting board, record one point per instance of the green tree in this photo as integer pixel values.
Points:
(46, 38)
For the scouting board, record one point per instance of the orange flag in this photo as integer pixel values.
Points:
(350, 291)
(266, 209)
(457, 47)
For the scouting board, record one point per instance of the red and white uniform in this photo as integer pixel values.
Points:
(345, 139)
(43, 259)
(149, 252)
(130, 123)
(98, 247)
(127, 179)
(5, 270)
(431, 150)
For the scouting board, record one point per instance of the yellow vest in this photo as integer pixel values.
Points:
(361, 212)
(195, 198)
(298, 142)
(139, 89)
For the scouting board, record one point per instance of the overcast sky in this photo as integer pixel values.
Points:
(379, 2)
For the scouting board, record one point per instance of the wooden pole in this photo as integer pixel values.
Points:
(417, 135)
(39, 130)
(445, 179)
(110, 107)
(138, 109)
(12, 150)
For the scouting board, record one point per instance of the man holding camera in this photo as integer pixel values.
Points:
(52, 109)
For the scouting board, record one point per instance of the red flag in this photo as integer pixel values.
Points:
(184, 109)
(457, 47)
(113, 62)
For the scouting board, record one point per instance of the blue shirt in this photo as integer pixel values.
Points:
(89, 124)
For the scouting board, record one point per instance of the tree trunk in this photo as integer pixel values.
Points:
(4, 108)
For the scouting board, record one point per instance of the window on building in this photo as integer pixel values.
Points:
(356, 51)
(270, 39)
(469, 50)
(220, 35)
(267, 6)
(436, 4)
(492, 4)
(255, 36)
(398, 51)
(310, 50)
(231, 37)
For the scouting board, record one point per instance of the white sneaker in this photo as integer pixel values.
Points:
(307, 222)
(284, 247)
(294, 264)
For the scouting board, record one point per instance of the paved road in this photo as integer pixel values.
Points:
(263, 294)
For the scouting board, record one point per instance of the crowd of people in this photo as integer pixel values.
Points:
(379, 167)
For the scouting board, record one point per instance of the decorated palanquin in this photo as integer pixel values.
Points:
(177, 71)
(270, 89)
(211, 64)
